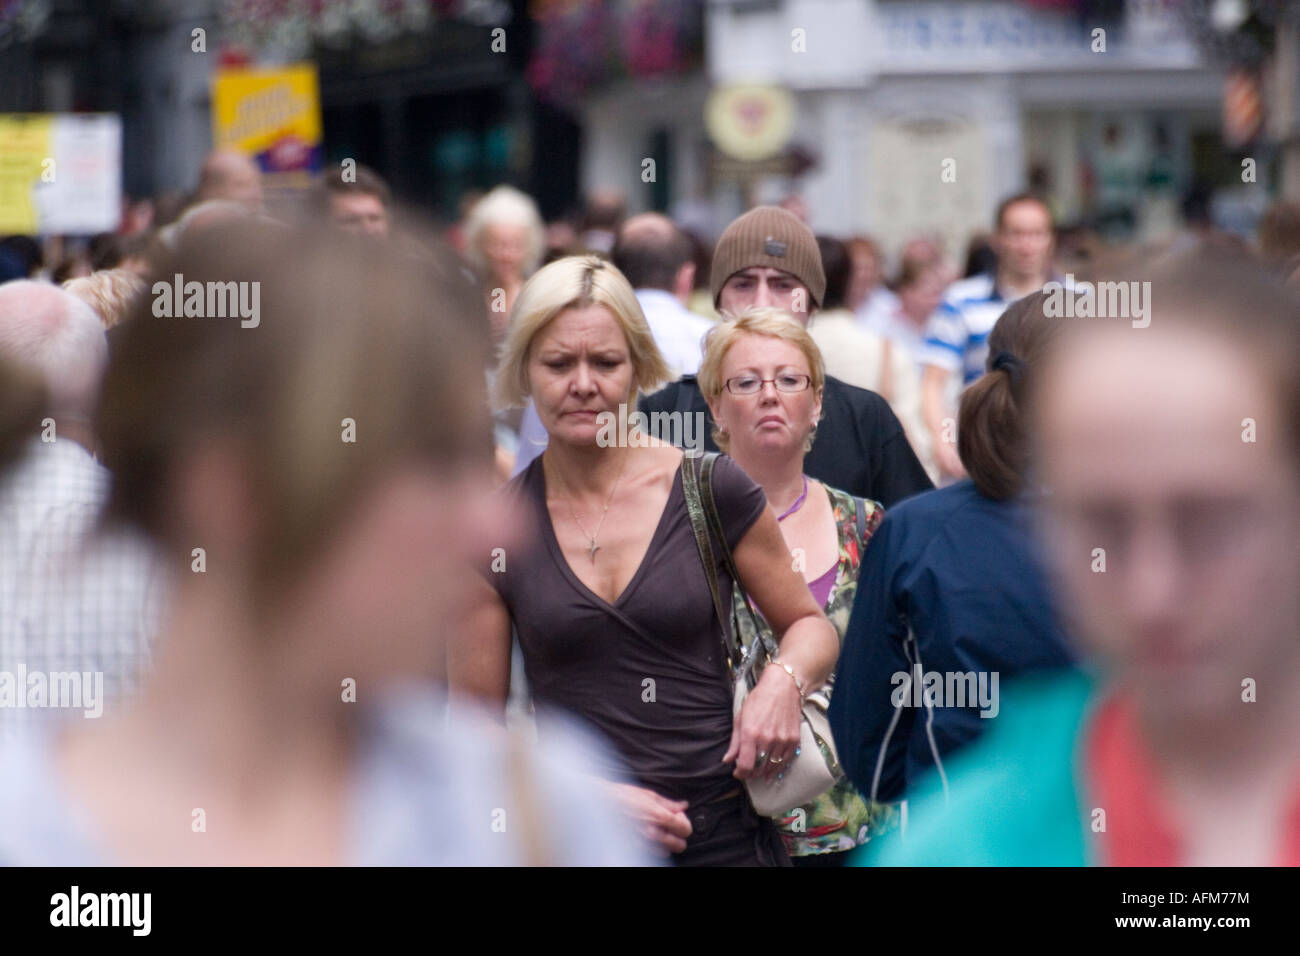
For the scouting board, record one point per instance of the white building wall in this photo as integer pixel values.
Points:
(835, 189)
(888, 89)
(618, 125)
(802, 44)
(911, 128)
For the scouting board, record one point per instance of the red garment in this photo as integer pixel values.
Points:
(1139, 829)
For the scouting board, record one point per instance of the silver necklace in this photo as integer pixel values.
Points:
(604, 511)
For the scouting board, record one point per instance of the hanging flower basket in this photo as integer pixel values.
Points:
(583, 45)
(290, 28)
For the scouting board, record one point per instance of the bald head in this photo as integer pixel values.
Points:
(605, 207)
(59, 337)
(651, 225)
(229, 174)
(652, 252)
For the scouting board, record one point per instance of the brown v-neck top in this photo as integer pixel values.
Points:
(647, 670)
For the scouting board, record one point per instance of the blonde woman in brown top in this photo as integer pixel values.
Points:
(609, 599)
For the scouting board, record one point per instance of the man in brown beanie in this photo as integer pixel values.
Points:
(768, 257)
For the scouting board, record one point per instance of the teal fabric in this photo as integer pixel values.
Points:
(1013, 795)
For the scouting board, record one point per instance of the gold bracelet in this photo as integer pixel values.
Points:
(793, 676)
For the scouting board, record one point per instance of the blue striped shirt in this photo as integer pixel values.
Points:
(957, 336)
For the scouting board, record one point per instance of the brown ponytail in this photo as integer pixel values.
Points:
(991, 425)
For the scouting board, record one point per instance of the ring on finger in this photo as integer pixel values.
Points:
(776, 760)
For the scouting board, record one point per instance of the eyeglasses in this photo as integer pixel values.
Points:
(752, 384)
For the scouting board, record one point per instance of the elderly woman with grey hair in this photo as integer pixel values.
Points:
(504, 241)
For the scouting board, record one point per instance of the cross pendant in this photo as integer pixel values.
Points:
(594, 548)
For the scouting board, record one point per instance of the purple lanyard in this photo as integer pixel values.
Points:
(797, 502)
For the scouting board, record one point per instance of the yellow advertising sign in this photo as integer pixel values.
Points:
(26, 142)
(272, 115)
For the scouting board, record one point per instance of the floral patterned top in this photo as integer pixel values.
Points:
(841, 818)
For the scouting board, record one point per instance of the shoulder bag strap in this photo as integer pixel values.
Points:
(715, 522)
(699, 524)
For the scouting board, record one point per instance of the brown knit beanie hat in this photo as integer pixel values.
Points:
(769, 236)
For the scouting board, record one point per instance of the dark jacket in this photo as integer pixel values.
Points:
(959, 573)
(860, 446)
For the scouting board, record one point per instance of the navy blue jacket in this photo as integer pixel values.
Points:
(950, 579)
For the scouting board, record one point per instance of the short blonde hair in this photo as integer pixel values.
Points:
(756, 320)
(574, 282)
(109, 292)
(504, 206)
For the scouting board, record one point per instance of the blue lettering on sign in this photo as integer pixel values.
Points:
(923, 33)
(989, 30)
(971, 28)
(956, 28)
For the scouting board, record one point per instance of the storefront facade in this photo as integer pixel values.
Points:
(920, 116)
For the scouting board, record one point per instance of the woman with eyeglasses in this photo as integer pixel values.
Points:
(762, 375)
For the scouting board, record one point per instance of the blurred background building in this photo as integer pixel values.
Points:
(894, 117)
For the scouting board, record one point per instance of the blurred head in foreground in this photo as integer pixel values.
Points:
(1170, 457)
(326, 459)
(314, 483)
(1175, 450)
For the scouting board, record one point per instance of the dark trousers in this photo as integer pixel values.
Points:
(728, 832)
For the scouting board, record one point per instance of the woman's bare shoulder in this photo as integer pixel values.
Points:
(655, 467)
(662, 457)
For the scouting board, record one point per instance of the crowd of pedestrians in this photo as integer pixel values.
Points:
(317, 544)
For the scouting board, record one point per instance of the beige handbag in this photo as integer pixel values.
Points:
(811, 773)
